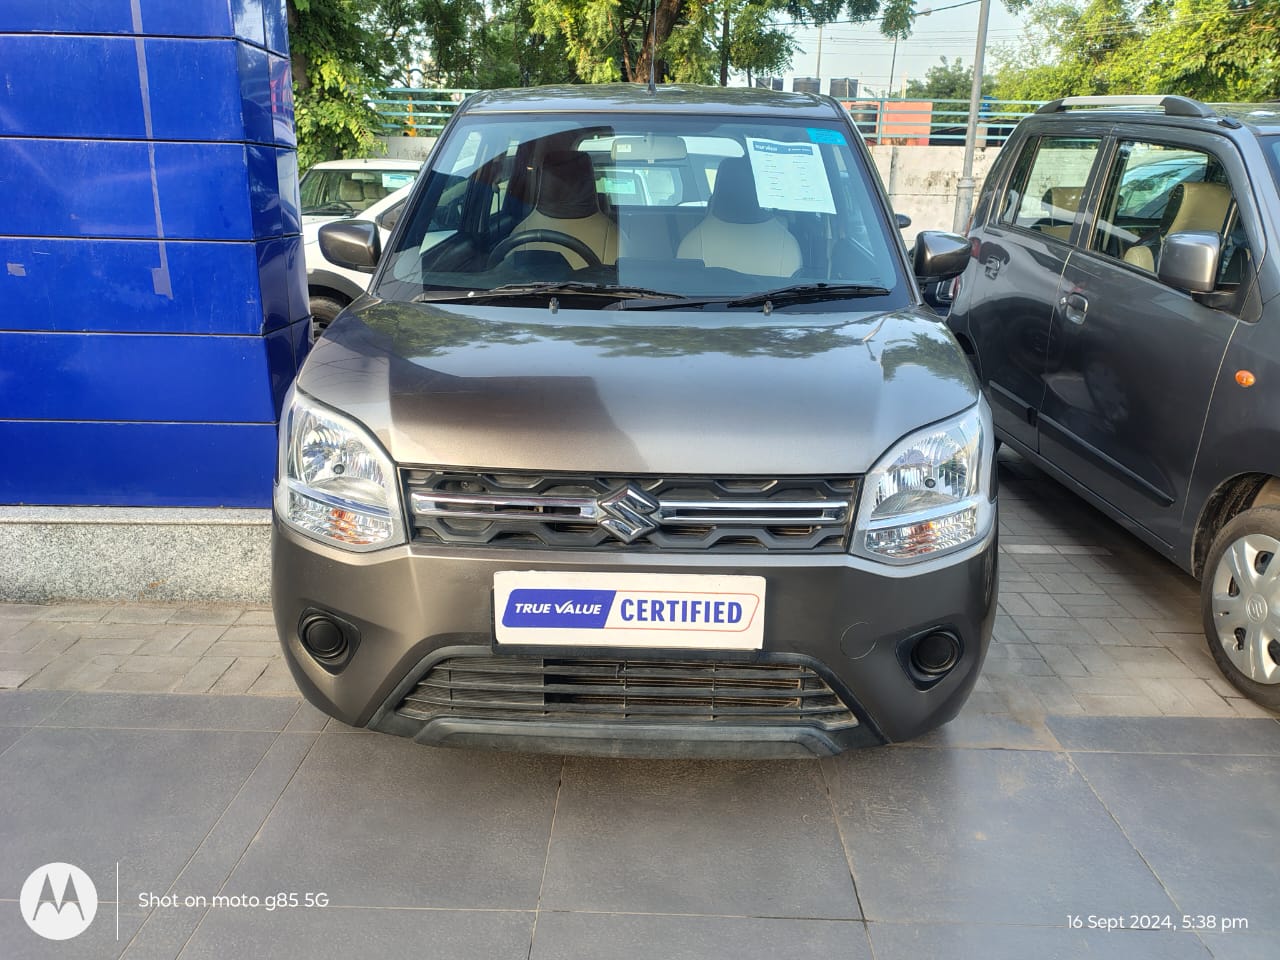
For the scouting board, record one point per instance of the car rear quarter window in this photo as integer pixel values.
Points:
(1048, 182)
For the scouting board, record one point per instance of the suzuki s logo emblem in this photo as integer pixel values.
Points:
(58, 901)
(627, 513)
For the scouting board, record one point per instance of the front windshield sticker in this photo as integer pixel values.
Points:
(394, 181)
(790, 176)
(823, 135)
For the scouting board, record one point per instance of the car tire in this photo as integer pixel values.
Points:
(323, 312)
(1240, 601)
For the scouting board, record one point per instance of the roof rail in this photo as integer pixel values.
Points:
(1171, 105)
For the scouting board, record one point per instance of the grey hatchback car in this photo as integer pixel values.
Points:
(1123, 312)
(641, 443)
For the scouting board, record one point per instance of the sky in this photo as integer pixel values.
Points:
(862, 52)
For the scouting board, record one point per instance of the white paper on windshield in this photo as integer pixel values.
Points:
(790, 176)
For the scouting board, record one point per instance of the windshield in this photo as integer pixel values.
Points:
(343, 193)
(674, 205)
(1273, 154)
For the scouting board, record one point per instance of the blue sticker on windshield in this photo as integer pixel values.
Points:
(823, 135)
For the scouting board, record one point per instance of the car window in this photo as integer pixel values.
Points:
(694, 206)
(1048, 183)
(1274, 155)
(1154, 190)
(348, 192)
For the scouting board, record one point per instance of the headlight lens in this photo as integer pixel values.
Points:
(929, 494)
(335, 482)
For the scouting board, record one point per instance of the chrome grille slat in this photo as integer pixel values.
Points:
(592, 512)
(639, 691)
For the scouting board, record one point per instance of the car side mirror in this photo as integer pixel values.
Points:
(391, 217)
(354, 244)
(940, 256)
(1189, 261)
(902, 220)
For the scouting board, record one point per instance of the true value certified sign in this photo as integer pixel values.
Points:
(682, 611)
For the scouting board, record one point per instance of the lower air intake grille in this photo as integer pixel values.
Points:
(638, 691)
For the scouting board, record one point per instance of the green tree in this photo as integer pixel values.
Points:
(1207, 49)
(608, 40)
(345, 50)
(509, 51)
(334, 67)
(948, 80)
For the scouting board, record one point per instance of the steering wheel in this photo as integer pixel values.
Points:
(555, 237)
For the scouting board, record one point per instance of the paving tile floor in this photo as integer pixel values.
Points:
(982, 845)
(1102, 770)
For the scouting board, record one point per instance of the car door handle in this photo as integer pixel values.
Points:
(992, 267)
(1074, 307)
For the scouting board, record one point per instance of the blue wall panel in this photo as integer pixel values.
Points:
(197, 89)
(106, 285)
(258, 21)
(112, 377)
(92, 92)
(132, 464)
(150, 258)
(103, 188)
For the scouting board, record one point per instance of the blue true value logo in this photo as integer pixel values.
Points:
(562, 609)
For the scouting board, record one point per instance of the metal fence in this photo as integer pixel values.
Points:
(423, 111)
(417, 111)
(936, 122)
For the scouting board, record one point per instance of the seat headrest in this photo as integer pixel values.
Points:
(1197, 206)
(350, 190)
(1062, 200)
(733, 199)
(567, 188)
(373, 191)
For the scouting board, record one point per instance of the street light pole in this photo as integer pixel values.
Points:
(964, 188)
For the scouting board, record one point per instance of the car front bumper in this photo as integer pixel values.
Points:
(845, 621)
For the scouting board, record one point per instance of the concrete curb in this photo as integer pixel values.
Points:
(134, 553)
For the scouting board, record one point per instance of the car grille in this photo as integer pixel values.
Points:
(577, 512)
(627, 691)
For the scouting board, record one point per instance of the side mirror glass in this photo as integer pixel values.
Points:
(354, 244)
(940, 256)
(1189, 261)
(391, 217)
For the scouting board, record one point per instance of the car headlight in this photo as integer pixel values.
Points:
(334, 481)
(930, 493)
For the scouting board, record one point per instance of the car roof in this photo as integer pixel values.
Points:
(367, 163)
(666, 98)
(1260, 119)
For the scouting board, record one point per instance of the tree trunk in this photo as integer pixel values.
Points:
(667, 13)
(298, 59)
(724, 48)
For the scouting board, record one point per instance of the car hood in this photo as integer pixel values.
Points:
(688, 392)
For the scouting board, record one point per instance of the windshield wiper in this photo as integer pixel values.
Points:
(553, 288)
(779, 297)
(808, 293)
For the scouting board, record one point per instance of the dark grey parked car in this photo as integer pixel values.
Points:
(1123, 312)
(642, 442)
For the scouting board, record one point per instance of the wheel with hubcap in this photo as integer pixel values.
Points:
(1240, 599)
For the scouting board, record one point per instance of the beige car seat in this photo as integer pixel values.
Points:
(567, 203)
(1061, 203)
(351, 193)
(1192, 207)
(737, 232)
